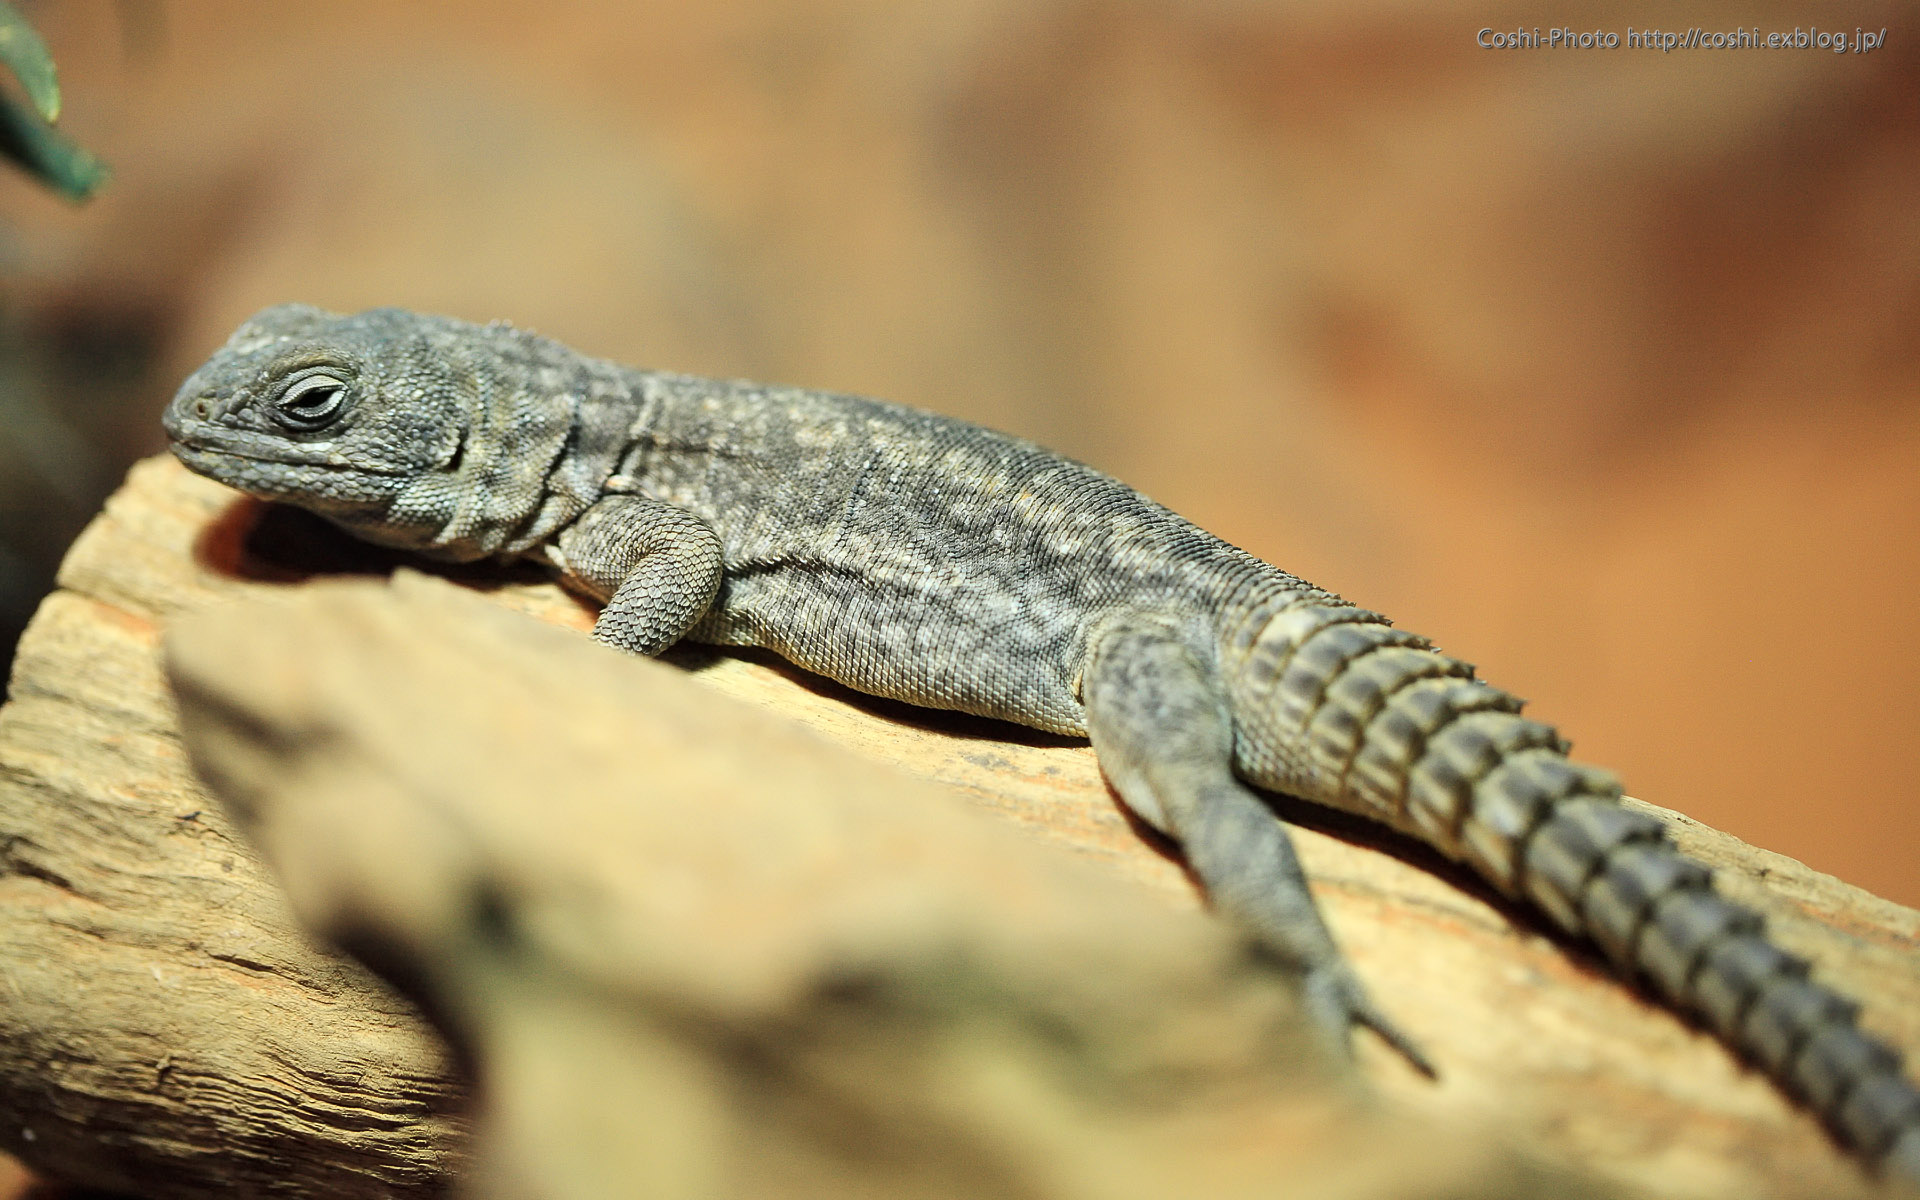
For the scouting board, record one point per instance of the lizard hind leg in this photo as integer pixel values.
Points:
(1161, 729)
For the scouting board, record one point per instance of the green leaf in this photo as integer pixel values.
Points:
(46, 152)
(26, 56)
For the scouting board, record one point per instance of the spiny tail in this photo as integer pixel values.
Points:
(1333, 705)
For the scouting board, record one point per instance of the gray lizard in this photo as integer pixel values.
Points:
(929, 560)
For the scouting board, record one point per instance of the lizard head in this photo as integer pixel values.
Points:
(363, 419)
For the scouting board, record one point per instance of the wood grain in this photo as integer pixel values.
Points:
(166, 1027)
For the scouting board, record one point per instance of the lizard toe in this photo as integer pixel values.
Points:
(1337, 1003)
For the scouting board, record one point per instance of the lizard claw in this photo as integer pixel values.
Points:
(1336, 1003)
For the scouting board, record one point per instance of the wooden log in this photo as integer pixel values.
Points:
(166, 1028)
(252, 1055)
(695, 950)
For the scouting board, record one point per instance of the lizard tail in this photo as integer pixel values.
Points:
(1334, 705)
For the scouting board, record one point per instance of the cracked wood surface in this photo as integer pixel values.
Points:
(716, 955)
(159, 1004)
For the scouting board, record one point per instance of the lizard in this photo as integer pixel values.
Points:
(929, 560)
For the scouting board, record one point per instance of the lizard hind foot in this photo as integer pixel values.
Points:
(1337, 1003)
(1161, 730)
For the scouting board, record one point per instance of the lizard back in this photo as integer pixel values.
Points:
(912, 555)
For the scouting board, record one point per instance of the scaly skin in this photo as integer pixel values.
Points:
(932, 561)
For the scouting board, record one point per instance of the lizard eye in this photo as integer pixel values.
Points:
(311, 402)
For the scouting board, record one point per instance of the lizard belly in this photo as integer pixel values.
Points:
(986, 651)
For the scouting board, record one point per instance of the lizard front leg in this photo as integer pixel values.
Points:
(1161, 729)
(657, 567)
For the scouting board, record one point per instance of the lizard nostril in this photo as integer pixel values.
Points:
(203, 407)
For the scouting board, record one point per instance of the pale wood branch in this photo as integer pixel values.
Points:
(165, 1026)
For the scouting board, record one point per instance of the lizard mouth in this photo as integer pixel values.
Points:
(253, 474)
(207, 450)
(229, 464)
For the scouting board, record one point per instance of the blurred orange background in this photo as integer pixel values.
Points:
(1602, 367)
